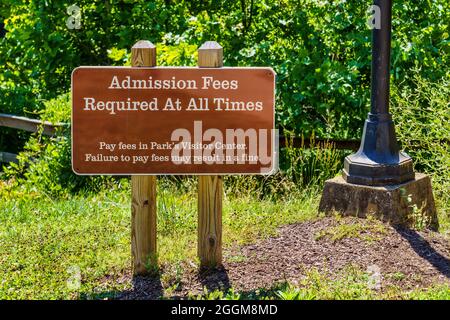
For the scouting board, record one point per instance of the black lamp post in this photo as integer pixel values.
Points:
(379, 160)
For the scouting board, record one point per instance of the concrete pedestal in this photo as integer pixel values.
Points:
(402, 204)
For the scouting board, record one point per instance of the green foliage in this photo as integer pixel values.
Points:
(42, 237)
(311, 165)
(321, 53)
(303, 167)
(369, 230)
(40, 242)
(320, 50)
(441, 292)
(350, 283)
(421, 110)
(417, 217)
(422, 114)
(58, 110)
(45, 164)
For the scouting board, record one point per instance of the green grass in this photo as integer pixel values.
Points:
(40, 239)
(43, 240)
(369, 230)
(351, 283)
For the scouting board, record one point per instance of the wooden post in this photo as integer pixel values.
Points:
(210, 55)
(143, 188)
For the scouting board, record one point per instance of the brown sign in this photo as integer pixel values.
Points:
(173, 120)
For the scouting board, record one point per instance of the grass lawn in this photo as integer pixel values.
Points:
(42, 241)
(45, 242)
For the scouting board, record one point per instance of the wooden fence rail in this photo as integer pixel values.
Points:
(26, 124)
(50, 129)
(30, 125)
(7, 157)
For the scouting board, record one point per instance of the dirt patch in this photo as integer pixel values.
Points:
(420, 258)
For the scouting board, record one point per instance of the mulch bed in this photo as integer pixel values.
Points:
(422, 257)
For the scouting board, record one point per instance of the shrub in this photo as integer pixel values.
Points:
(45, 164)
(319, 49)
(421, 110)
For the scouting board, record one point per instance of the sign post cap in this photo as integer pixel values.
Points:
(210, 45)
(141, 44)
(210, 55)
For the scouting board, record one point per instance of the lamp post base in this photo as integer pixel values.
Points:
(378, 162)
(359, 169)
(410, 204)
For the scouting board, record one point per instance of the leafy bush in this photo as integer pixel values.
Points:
(319, 49)
(45, 164)
(421, 110)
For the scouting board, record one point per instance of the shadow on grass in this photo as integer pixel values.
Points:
(215, 279)
(144, 288)
(151, 288)
(423, 248)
